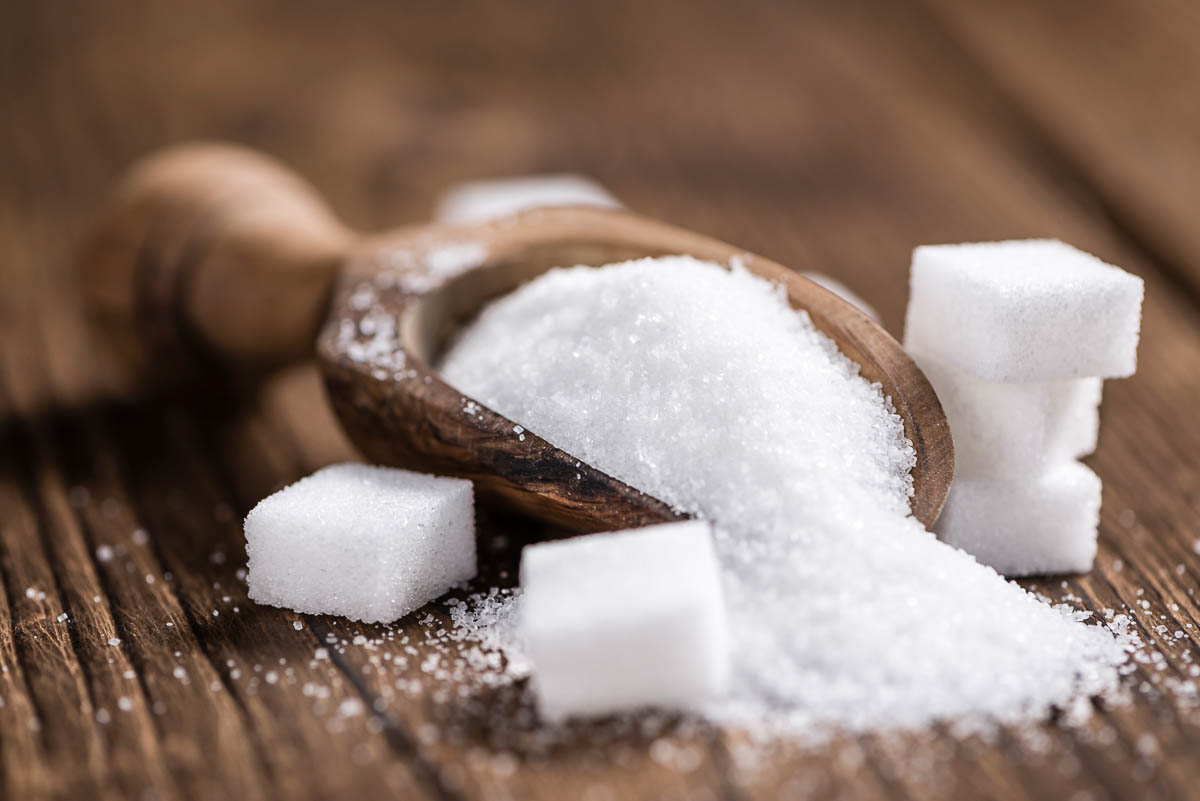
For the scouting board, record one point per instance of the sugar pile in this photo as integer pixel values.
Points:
(702, 387)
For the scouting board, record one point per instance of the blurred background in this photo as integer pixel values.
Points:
(827, 136)
(832, 137)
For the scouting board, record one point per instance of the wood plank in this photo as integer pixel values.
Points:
(298, 706)
(203, 738)
(131, 762)
(42, 640)
(22, 757)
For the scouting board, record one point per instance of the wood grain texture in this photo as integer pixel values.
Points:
(828, 138)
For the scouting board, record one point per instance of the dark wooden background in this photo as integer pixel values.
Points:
(832, 137)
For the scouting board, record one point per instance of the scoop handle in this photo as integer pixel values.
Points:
(211, 254)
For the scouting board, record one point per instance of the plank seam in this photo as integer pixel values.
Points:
(394, 732)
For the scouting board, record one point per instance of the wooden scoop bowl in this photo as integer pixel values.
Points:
(214, 258)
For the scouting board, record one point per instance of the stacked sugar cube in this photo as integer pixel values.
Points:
(1016, 338)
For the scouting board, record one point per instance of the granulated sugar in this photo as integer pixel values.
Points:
(491, 620)
(704, 388)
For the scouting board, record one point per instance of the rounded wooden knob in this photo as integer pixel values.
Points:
(211, 255)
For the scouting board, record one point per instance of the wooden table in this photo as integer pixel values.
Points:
(833, 140)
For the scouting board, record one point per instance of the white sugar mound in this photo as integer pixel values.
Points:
(704, 388)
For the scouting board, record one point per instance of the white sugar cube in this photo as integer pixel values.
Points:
(364, 542)
(1029, 310)
(842, 291)
(1075, 418)
(624, 620)
(481, 201)
(1002, 429)
(1041, 524)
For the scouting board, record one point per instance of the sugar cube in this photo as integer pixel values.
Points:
(1002, 429)
(1075, 419)
(369, 543)
(480, 201)
(1039, 524)
(624, 620)
(842, 291)
(1027, 310)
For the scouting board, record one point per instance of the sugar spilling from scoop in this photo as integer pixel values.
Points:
(701, 386)
(369, 543)
(624, 620)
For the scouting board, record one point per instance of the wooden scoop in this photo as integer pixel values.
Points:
(213, 257)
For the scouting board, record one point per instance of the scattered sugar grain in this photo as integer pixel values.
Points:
(703, 388)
